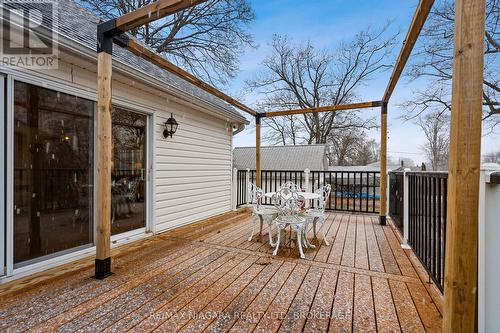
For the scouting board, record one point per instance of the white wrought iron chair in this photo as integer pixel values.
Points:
(287, 201)
(318, 212)
(260, 212)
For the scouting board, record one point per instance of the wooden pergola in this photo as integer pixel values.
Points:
(465, 137)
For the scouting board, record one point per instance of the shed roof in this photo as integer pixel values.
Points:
(80, 26)
(312, 157)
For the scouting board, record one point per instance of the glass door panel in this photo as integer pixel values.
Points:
(53, 172)
(128, 187)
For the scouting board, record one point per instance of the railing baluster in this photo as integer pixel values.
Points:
(374, 196)
(330, 198)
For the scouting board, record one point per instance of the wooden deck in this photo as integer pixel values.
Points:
(211, 278)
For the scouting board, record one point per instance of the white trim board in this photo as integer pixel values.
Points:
(2, 175)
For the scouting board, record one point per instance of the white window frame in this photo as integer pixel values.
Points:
(2, 177)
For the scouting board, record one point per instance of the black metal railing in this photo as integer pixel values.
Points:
(396, 200)
(427, 220)
(352, 191)
(271, 182)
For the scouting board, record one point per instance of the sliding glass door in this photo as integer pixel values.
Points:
(53, 173)
(128, 185)
(52, 168)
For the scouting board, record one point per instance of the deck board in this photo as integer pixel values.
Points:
(387, 319)
(364, 311)
(214, 280)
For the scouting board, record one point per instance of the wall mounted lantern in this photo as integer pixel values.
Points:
(170, 127)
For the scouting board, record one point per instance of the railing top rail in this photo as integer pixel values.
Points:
(325, 171)
(269, 170)
(441, 174)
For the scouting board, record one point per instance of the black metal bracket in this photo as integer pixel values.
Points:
(259, 116)
(495, 178)
(103, 268)
(382, 220)
(121, 40)
(384, 107)
(107, 34)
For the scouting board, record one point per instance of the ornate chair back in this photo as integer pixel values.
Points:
(254, 196)
(291, 186)
(324, 196)
(287, 202)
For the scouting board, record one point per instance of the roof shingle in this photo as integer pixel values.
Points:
(312, 157)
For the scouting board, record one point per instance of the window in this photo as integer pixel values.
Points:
(128, 171)
(53, 172)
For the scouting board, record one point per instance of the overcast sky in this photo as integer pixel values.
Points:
(326, 23)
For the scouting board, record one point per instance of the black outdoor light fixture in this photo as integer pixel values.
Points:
(170, 127)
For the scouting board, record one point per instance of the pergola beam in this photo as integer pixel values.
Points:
(152, 12)
(419, 18)
(329, 108)
(142, 51)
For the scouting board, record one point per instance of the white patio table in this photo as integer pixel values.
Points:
(307, 196)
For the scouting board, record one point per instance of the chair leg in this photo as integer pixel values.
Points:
(307, 243)
(253, 228)
(304, 241)
(314, 227)
(322, 220)
(299, 241)
(275, 252)
(270, 228)
(261, 221)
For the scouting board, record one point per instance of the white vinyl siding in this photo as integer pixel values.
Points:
(193, 169)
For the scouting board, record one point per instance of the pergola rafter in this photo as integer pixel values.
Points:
(465, 138)
(329, 108)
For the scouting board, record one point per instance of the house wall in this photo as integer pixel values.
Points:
(192, 169)
(190, 173)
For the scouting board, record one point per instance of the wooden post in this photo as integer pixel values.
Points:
(383, 165)
(103, 181)
(258, 179)
(460, 279)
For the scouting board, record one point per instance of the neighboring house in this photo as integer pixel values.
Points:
(290, 158)
(50, 166)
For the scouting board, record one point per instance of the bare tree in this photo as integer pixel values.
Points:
(435, 127)
(434, 62)
(350, 147)
(206, 39)
(344, 147)
(367, 153)
(301, 76)
(283, 130)
(493, 157)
